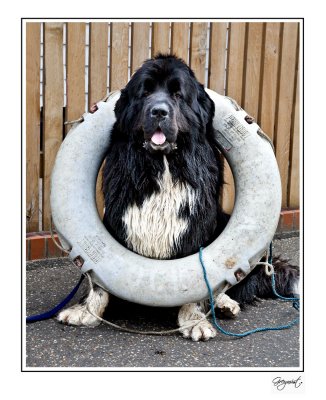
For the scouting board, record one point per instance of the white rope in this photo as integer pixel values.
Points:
(75, 121)
(167, 332)
(54, 240)
(269, 268)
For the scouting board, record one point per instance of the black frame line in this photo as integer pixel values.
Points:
(245, 19)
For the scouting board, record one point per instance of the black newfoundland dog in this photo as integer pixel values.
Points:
(162, 180)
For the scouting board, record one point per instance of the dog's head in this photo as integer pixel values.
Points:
(164, 106)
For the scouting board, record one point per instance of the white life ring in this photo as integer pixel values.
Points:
(166, 282)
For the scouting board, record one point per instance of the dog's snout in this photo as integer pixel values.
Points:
(160, 111)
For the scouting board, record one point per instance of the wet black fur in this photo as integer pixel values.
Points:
(257, 285)
(130, 171)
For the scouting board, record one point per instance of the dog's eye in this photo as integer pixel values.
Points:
(177, 95)
(148, 87)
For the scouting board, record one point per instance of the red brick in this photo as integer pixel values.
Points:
(287, 221)
(279, 226)
(52, 249)
(37, 247)
(296, 220)
(28, 249)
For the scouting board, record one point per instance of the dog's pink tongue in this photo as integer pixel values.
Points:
(158, 138)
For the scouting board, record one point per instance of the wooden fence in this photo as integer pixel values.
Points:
(69, 66)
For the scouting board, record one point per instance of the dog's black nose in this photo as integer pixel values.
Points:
(160, 111)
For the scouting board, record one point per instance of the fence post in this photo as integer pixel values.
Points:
(53, 107)
(75, 70)
(139, 44)
(160, 38)
(285, 102)
(180, 40)
(253, 64)
(119, 55)
(198, 43)
(97, 81)
(234, 86)
(217, 56)
(266, 117)
(33, 36)
(294, 170)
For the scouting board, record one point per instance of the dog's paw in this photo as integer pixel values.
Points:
(77, 315)
(229, 307)
(188, 320)
(202, 331)
(96, 301)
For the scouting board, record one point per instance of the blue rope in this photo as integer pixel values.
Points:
(51, 313)
(295, 300)
(246, 333)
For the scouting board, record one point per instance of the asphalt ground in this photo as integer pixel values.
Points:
(51, 344)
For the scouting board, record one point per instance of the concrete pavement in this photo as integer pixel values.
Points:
(50, 344)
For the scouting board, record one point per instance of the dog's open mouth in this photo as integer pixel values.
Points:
(159, 142)
(158, 137)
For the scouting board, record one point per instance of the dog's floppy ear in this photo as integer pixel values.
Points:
(121, 111)
(205, 107)
(121, 104)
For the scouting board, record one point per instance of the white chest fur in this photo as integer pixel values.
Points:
(154, 228)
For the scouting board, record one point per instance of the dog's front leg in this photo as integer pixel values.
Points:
(190, 314)
(96, 301)
(229, 307)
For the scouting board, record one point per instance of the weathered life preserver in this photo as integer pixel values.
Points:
(166, 282)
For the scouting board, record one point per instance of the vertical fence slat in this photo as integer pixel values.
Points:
(217, 56)
(236, 47)
(118, 72)
(97, 81)
(216, 76)
(119, 55)
(234, 83)
(284, 107)
(269, 81)
(53, 107)
(294, 185)
(160, 38)
(179, 40)
(75, 70)
(33, 36)
(253, 67)
(98, 61)
(139, 44)
(198, 42)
